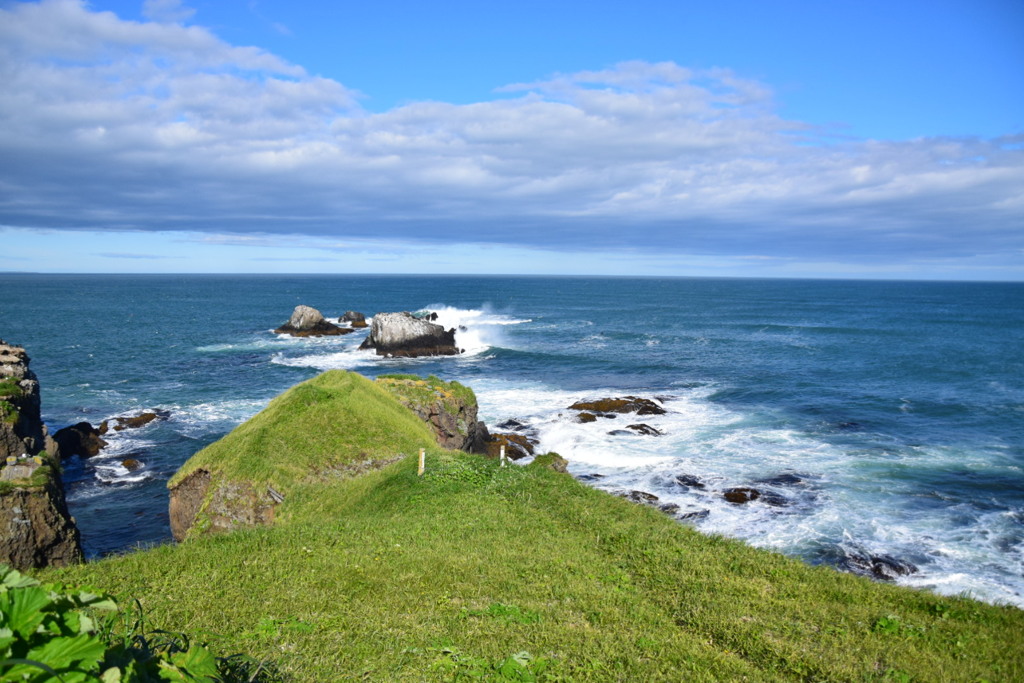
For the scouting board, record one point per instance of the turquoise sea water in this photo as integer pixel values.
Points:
(898, 406)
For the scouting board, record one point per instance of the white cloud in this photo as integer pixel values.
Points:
(167, 11)
(156, 125)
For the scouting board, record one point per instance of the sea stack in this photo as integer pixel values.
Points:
(306, 321)
(35, 527)
(403, 335)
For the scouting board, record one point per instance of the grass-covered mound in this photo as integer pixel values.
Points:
(475, 571)
(336, 419)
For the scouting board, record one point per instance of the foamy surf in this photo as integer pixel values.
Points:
(812, 505)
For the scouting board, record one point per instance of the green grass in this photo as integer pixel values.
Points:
(9, 388)
(335, 420)
(417, 390)
(389, 576)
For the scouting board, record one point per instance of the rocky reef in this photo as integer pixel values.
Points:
(403, 335)
(306, 321)
(35, 527)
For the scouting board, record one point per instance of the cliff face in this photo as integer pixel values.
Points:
(21, 429)
(35, 527)
(448, 408)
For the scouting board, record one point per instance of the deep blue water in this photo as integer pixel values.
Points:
(900, 405)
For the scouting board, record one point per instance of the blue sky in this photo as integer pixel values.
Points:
(789, 139)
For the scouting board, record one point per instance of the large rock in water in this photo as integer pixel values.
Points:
(403, 335)
(309, 322)
(448, 408)
(80, 439)
(35, 527)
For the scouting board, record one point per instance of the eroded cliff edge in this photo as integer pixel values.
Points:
(36, 529)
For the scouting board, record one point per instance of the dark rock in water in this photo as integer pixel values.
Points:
(669, 508)
(641, 497)
(627, 404)
(774, 499)
(355, 319)
(690, 481)
(646, 430)
(432, 316)
(131, 464)
(584, 418)
(741, 495)
(884, 567)
(138, 420)
(309, 322)
(593, 476)
(514, 425)
(694, 516)
(516, 446)
(80, 439)
(621, 432)
(403, 335)
(788, 479)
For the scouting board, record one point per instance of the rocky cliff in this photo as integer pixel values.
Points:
(35, 527)
(448, 408)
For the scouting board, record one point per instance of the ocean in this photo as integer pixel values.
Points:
(877, 419)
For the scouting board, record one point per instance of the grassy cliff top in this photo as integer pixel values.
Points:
(335, 419)
(417, 390)
(481, 572)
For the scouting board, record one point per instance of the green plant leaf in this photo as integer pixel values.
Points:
(83, 651)
(197, 661)
(23, 609)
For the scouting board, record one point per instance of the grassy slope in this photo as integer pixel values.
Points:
(389, 576)
(334, 420)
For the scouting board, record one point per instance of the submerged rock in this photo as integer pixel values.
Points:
(309, 322)
(403, 335)
(688, 480)
(131, 464)
(884, 567)
(627, 404)
(645, 430)
(641, 497)
(741, 495)
(355, 319)
(136, 421)
(584, 418)
(786, 479)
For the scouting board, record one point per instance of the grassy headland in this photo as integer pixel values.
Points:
(390, 576)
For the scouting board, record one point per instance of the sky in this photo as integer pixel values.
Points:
(739, 139)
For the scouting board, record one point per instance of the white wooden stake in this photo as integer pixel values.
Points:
(423, 461)
(502, 456)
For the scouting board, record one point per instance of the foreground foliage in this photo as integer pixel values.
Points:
(49, 633)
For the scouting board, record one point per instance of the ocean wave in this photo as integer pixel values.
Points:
(815, 494)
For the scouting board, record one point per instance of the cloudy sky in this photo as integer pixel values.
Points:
(785, 139)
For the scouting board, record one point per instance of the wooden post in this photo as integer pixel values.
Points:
(502, 456)
(423, 461)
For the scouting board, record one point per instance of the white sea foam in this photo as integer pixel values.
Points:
(476, 330)
(843, 501)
